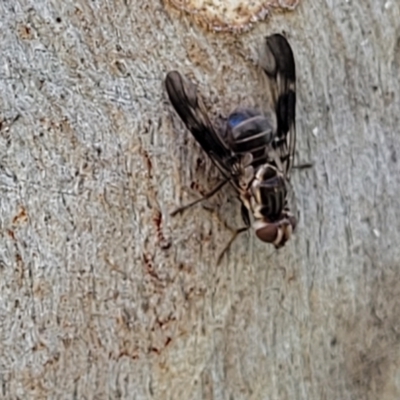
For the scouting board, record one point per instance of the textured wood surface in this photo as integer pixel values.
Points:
(103, 295)
(230, 15)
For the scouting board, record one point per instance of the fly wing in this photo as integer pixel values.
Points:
(189, 106)
(278, 63)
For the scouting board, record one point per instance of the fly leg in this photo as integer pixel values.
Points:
(237, 232)
(206, 196)
(304, 165)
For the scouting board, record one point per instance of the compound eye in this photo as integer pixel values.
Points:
(267, 233)
(277, 233)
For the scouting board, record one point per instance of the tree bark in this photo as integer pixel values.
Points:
(104, 295)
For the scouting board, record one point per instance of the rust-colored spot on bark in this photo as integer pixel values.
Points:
(11, 234)
(163, 242)
(21, 217)
(148, 262)
(25, 32)
(148, 162)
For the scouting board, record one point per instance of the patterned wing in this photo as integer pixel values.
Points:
(183, 96)
(279, 65)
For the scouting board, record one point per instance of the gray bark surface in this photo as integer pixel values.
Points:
(104, 295)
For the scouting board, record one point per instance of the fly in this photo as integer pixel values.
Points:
(254, 151)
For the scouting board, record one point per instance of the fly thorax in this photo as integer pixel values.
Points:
(249, 131)
(268, 192)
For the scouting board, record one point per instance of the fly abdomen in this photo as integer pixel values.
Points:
(268, 193)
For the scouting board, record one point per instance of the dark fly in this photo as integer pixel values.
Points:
(254, 151)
